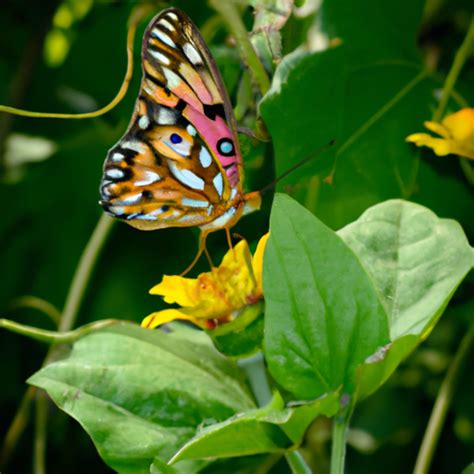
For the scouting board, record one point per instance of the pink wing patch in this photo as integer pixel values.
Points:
(174, 48)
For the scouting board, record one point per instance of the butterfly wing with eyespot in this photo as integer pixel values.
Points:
(179, 162)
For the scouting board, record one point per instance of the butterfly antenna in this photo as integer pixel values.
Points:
(201, 250)
(300, 163)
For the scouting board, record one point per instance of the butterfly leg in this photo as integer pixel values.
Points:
(202, 248)
(229, 238)
(209, 259)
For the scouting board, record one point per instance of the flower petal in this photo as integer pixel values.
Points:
(167, 315)
(461, 126)
(438, 128)
(440, 146)
(176, 289)
(257, 261)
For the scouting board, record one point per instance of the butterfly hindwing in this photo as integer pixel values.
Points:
(179, 161)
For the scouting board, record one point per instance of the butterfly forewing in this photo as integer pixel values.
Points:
(179, 162)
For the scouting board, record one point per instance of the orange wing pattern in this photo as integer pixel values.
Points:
(179, 162)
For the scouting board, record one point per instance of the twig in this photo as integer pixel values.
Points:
(461, 56)
(440, 408)
(229, 12)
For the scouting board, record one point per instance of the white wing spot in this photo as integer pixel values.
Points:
(150, 178)
(166, 24)
(193, 202)
(118, 211)
(116, 157)
(114, 173)
(192, 53)
(191, 130)
(205, 158)
(219, 184)
(172, 78)
(186, 177)
(161, 57)
(163, 37)
(143, 122)
(133, 199)
(172, 15)
(146, 217)
(183, 148)
(133, 145)
(166, 116)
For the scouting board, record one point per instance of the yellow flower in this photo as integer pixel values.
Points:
(214, 297)
(457, 131)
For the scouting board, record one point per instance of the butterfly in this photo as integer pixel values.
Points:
(179, 163)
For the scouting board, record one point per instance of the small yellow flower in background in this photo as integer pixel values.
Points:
(214, 297)
(457, 131)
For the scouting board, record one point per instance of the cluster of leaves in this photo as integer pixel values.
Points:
(342, 312)
(381, 282)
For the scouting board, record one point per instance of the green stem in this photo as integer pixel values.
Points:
(297, 463)
(39, 450)
(39, 304)
(229, 12)
(136, 16)
(467, 169)
(56, 337)
(71, 307)
(254, 368)
(340, 428)
(16, 427)
(461, 56)
(440, 408)
(83, 272)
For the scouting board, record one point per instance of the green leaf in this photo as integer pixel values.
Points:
(141, 394)
(243, 336)
(369, 93)
(270, 18)
(269, 429)
(416, 261)
(323, 314)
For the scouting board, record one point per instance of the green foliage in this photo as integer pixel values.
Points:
(338, 320)
(323, 314)
(142, 394)
(349, 294)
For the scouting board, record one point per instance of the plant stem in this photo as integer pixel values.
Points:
(297, 463)
(440, 408)
(459, 59)
(39, 304)
(68, 319)
(229, 12)
(340, 428)
(136, 16)
(83, 272)
(16, 427)
(254, 368)
(56, 337)
(39, 451)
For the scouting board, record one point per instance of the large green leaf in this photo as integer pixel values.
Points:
(323, 314)
(368, 93)
(141, 394)
(323, 326)
(269, 429)
(416, 261)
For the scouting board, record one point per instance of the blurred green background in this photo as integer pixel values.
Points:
(367, 74)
